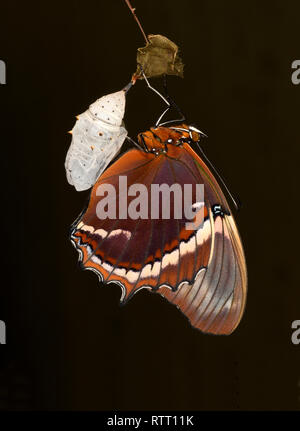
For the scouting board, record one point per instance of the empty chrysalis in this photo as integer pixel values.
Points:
(97, 137)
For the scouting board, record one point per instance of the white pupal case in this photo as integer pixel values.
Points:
(97, 137)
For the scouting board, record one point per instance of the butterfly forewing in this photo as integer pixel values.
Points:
(201, 271)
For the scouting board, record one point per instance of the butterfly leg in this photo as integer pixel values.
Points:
(158, 122)
(159, 94)
(172, 104)
(167, 99)
(136, 144)
(154, 89)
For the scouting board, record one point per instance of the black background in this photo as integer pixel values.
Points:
(69, 344)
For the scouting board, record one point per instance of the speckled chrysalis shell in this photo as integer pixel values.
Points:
(97, 137)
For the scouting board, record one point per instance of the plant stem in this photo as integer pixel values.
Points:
(132, 10)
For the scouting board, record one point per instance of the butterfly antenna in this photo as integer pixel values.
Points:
(236, 202)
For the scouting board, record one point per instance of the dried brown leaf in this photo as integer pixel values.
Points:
(160, 56)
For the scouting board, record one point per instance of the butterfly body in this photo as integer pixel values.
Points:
(202, 270)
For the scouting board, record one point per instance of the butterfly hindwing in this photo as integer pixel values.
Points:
(215, 301)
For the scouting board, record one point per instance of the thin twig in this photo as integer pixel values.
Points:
(132, 10)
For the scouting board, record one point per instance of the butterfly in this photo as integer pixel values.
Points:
(97, 137)
(202, 270)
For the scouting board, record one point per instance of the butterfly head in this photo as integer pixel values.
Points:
(157, 139)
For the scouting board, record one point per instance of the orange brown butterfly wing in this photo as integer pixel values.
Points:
(140, 253)
(202, 272)
(215, 301)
